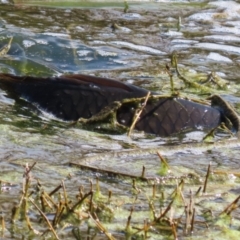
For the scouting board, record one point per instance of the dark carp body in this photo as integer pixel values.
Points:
(167, 115)
(72, 97)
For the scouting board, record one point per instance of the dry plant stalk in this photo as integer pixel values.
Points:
(29, 224)
(187, 219)
(163, 160)
(178, 189)
(100, 226)
(3, 226)
(143, 172)
(49, 199)
(174, 231)
(45, 218)
(146, 226)
(65, 196)
(198, 191)
(110, 172)
(81, 200)
(128, 226)
(237, 174)
(137, 115)
(55, 190)
(109, 196)
(173, 224)
(165, 212)
(206, 179)
(171, 77)
(58, 214)
(91, 202)
(190, 212)
(164, 167)
(231, 207)
(21, 207)
(193, 220)
(154, 190)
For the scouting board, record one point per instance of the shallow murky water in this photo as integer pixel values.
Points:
(133, 47)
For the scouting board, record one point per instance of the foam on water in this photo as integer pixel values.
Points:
(27, 43)
(137, 47)
(218, 58)
(219, 47)
(223, 38)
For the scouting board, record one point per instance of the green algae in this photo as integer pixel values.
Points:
(26, 139)
(114, 213)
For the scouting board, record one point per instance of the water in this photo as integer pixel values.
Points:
(55, 41)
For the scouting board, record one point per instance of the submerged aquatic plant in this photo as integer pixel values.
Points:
(4, 50)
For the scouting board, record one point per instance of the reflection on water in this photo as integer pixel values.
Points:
(53, 41)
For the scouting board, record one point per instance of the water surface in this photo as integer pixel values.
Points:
(82, 39)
